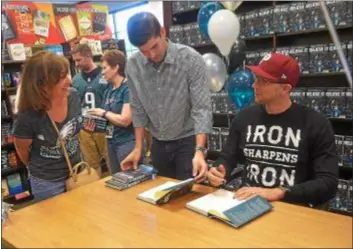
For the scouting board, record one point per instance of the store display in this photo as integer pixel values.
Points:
(343, 197)
(5, 55)
(265, 21)
(4, 159)
(334, 62)
(348, 151)
(7, 80)
(176, 34)
(298, 95)
(315, 99)
(242, 26)
(126, 179)
(350, 54)
(339, 148)
(222, 205)
(214, 139)
(178, 6)
(349, 13)
(315, 16)
(338, 12)
(251, 19)
(167, 191)
(336, 102)
(8, 32)
(41, 21)
(301, 54)
(17, 51)
(252, 58)
(4, 110)
(24, 21)
(84, 23)
(319, 58)
(349, 104)
(281, 18)
(99, 22)
(298, 17)
(224, 133)
(6, 133)
(55, 49)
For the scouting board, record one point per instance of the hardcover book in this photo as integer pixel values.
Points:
(167, 191)
(222, 205)
(127, 179)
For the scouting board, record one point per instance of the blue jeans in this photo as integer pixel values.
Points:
(174, 158)
(117, 153)
(44, 189)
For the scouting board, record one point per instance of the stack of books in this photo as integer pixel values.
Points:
(126, 179)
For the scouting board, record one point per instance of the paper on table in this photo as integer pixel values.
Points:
(220, 200)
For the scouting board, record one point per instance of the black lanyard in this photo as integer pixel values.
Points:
(109, 107)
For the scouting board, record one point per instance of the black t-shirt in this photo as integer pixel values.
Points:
(46, 158)
(91, 75)
(294, 149)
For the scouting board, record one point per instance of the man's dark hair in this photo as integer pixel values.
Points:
(83, 49)
(141, 27)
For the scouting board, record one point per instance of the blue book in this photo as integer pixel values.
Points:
(221, 205)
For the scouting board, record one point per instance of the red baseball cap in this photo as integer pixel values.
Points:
(278, 68)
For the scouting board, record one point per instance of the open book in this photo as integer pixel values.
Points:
(169, 190)
(221, 205)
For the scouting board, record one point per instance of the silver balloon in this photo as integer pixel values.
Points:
(216, 71)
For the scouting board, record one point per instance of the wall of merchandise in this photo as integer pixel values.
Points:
(288, 28)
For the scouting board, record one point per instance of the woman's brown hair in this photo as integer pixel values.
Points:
(41, 73)
(115, 57)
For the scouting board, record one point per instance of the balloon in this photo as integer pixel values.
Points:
(204, 16)
(231, 5)
(216, 71)
(223, 29)
(236, 56)
(240, 88)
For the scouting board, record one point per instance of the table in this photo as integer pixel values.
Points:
(98, 216)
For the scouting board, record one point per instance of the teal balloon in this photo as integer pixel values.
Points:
(240, 88)
(205, 14)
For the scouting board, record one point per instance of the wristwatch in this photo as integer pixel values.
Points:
(203, 149)
(285, 189)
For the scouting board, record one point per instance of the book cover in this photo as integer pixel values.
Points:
(167, 191)
(7, 30)
(335, 102)
(222, 205)
(15, 184)
(347, 151)
(41, 21)
(84, 21)
(339, 148)
(99, 22)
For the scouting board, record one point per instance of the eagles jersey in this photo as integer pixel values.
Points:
(91, 87)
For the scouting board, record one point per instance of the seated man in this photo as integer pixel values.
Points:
(288, 150)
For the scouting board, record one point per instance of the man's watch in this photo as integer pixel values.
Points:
(285, 189)
(203, 149)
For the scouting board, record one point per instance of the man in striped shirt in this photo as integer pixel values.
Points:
(169, 96)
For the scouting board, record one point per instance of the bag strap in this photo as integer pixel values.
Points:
(62, 145)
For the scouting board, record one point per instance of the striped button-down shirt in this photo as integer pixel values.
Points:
(172, 101)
